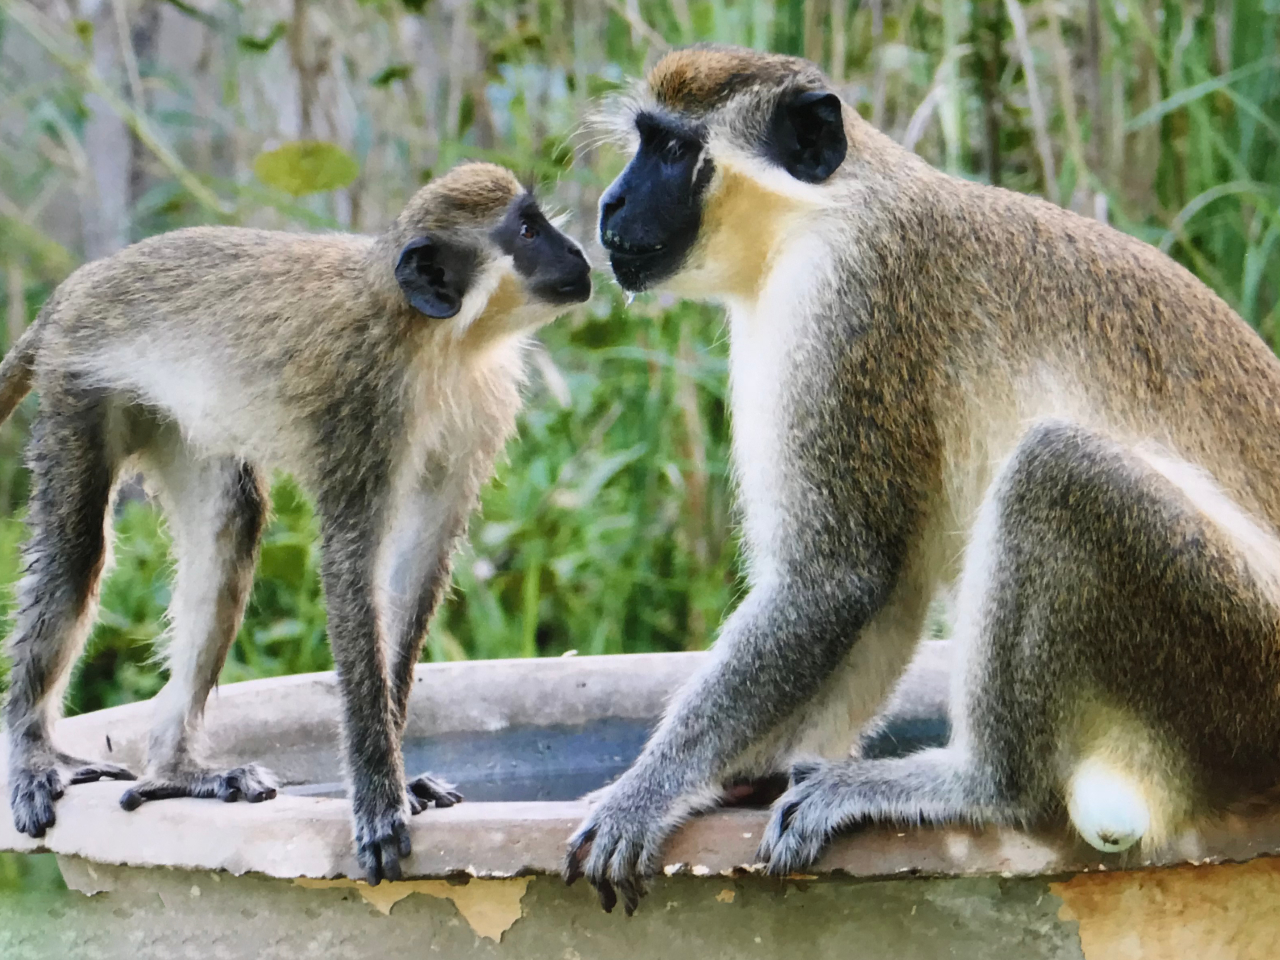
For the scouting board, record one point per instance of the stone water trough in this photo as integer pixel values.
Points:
(523, 739)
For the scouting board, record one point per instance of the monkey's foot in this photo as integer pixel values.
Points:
(381, 841)
(35, 789)
(250, 782)
(426, 790)
(619, 845)
(814, 809)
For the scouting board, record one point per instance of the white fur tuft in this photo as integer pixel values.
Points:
(1108, 808)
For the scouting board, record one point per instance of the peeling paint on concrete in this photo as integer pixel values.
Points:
(258, 918)
(1209, 912)
(489, 906)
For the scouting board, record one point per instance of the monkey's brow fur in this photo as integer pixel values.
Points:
(469, 195)
(700, 78)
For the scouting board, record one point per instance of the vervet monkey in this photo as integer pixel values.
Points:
(938, 382)
(383, 372)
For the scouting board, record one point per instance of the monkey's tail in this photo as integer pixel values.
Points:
(17, 369)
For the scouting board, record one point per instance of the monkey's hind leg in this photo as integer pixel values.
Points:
(216, 510)
(73, 471)
(1097, 592)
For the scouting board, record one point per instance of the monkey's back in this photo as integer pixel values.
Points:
(238, 334)
(1124, 337)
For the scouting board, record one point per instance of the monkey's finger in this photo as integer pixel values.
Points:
(390, 857)
(101, 771)
(367, 857)
(608, 897)
(579, 849)
(632, 890)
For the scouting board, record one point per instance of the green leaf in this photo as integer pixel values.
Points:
(397, 71)
(255, 45)
(1193, 93)
(306, 166)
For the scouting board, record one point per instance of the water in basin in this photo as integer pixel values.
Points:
(565, 762)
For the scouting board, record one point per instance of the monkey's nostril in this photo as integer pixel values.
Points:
(611, 207)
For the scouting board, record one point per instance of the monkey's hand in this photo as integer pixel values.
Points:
(382, 833)
(36, 786)
(805, 818)
(619, 845)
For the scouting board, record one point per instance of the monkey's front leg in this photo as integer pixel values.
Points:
(772, 657)
(380, 807)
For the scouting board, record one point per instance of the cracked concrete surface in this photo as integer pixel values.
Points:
(205, 879)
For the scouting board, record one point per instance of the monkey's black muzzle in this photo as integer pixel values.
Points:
(564, 281)
(651, 215)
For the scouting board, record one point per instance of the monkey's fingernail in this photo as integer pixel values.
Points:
(131, 800)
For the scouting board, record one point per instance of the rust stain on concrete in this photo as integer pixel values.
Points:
(489, 906)
(1208, 912)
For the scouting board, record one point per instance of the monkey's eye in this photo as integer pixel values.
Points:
(527, 230)
(675, 150)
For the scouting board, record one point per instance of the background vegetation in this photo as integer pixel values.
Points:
(609, 529)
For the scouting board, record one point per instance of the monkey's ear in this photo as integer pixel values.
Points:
(434, 276)
(807, 135)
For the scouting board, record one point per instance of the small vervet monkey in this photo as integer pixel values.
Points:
(384, 372)
(935, 382)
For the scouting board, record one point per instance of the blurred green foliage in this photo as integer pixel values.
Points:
(608, 528)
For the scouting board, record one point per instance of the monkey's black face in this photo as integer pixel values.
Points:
(551, 264)
(435, 272)
(650, 216)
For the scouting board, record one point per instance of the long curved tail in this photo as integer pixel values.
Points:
(16, 370)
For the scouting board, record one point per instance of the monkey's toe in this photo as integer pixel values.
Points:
(250, 782)
(32, 798)
(93, 772)
(426, 790)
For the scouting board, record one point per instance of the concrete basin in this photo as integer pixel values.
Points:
(524, 739)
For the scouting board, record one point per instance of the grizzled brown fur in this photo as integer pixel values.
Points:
(700, 78)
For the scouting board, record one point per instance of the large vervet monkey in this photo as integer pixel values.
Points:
(938, 382)
(384, 372)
